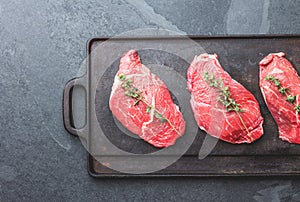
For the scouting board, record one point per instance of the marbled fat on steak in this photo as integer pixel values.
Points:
(211, 114)
(284, 112)
(160, 130)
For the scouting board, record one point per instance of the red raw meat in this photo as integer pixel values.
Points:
(284, 113)
(211, 115)
(156, 93)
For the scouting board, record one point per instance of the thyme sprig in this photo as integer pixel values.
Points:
(224, 97)
(224, 93)
(136, 94)
(284, 91)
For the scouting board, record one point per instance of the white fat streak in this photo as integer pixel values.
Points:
(137, 75)
(228, 123)
(297, 114)
(115, 86)
(154, 80)
(124, 114)
(276, 71)
(205, 57)
(281, 108)
(280, 54)
(195, 105)
(251, 101)
(283, 137)
(263, 94)
(151, 115)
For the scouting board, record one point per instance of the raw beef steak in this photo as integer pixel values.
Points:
(143, 104)
(280, 86)
(222, 106)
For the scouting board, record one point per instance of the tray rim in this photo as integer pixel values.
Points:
(237, 36)
(92, 173)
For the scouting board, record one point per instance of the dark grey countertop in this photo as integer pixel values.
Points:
(42, 46)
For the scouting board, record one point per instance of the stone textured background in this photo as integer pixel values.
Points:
(42, 44)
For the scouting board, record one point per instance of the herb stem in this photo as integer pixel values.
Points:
(224, 97)
(289, 97)
(243, 123)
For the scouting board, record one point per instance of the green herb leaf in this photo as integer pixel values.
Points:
(122, 77)
(205, 76)
(268, 77)
(124, 86)
(148, 109)
(136, 102)
(127, 93)
(290, 98)
(283, 90)
(163, 120)
(242, 110)
(158, 115)
(277, 83)
(297, 108)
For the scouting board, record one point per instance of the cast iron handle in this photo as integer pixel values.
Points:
(67, 106)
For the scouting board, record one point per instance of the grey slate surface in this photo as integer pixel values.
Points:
(42, 45)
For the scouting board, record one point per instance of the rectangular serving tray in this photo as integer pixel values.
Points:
(239, 56)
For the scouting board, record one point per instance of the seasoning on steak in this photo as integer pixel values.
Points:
(143, 104)
(280, 87)
(222, 106)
